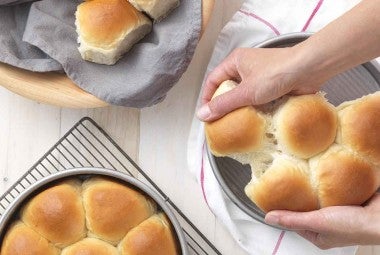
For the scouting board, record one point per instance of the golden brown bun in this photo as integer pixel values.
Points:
(57, 214)
(360, 127)
(343, 178)
(22, 240)
(152, 237)
(90, 246)
(306, 125)
(112, 209)
(243, 134)
(240, 131)
(284, 186)
(311, 154)
(109, 28)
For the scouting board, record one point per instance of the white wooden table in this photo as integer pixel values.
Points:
(155, 137)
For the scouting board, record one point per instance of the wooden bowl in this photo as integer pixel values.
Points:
(56, 88)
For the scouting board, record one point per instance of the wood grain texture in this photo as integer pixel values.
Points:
(52, 88)
(207, 7)
(57, 89)
(28, 129)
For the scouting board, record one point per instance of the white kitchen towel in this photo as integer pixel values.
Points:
(256, 21)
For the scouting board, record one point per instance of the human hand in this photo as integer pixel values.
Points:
(334, 226)
(264, 75)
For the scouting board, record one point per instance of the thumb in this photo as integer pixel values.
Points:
(313, 221)
(224, 103)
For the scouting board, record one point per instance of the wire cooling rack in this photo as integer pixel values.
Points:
(88, 145)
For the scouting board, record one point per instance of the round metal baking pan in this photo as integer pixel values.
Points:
(82, 173)
(234, 176)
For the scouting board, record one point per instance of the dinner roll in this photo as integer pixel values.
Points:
(360, 126)
(57, 213)
(305, 154)
(305, 125)
(343, 178)
(22, 240)
(240, 131)
(285, 185)
(108, 28)
(112, 209)
(151, 237)
(90, 246)
(156, 9)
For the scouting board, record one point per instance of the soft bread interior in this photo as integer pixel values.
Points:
(271, 135)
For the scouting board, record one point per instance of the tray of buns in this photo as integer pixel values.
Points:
(301, 153)
(87, 158)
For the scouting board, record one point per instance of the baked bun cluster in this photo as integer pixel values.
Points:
(107, 29)
(99, 216)
(304, 153)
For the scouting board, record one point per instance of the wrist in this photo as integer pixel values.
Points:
(375, 229)
(308, 71)
(313, 65)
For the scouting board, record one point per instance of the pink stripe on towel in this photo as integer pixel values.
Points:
(312, 15)
(278, 243)
(203, 174)
(261, 20)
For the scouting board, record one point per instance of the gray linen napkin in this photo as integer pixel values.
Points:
(13, 50)
(142, 77)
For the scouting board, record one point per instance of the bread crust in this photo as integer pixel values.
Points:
(240, 131)
(57, 214)
(151, 237)
(20, 240)
(91, 246)
(306, 125)
(360, 127)
(128, 207)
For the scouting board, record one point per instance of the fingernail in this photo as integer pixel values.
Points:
(204, 112)
(272, 219)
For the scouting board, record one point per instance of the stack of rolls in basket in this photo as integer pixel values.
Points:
(304, 153)
(99, 216)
